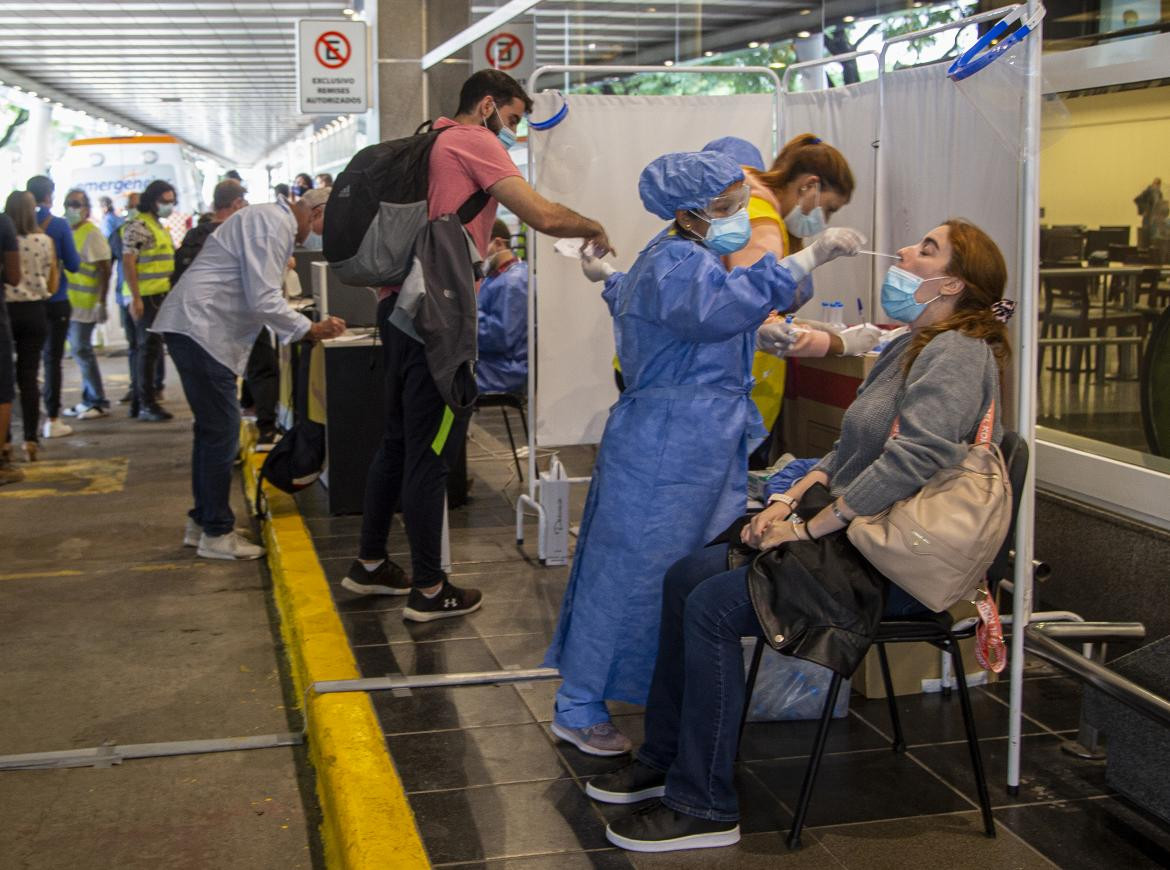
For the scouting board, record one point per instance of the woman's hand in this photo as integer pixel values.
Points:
(754, 531)
(782, 533)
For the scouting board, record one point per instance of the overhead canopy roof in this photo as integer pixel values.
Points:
(220, 74)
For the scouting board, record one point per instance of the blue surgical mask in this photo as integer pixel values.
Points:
(165, 210)
(729, 234)
(73, 215)
(898, 291)
(805, 226)
(505, 135)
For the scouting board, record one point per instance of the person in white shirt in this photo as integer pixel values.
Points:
(210, 321)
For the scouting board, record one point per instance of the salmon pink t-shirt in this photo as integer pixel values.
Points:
(463, 160)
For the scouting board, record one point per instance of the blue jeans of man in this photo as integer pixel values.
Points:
(697, 694)
(81, 346)
(210, 387)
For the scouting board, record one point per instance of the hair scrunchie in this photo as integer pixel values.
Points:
(1003, 309)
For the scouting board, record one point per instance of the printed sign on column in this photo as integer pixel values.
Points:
(511, 49)
(332, 66)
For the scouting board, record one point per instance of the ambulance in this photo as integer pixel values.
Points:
(117, 165)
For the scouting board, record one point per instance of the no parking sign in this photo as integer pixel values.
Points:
(332, 66)
(511, 49)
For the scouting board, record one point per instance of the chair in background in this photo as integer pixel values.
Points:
(935, 629)
(504, 401)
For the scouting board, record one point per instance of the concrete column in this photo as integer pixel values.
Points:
(35, 142)
(406, 30)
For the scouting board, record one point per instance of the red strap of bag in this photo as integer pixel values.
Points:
(990, 649)
(982, 434)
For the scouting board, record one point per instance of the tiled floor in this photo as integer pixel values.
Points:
(492, 788)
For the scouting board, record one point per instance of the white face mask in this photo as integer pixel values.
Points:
(165, 209)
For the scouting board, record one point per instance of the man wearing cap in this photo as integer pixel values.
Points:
(210, 321)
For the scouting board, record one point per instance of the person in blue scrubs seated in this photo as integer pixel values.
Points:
(671, 472)
(503, 318)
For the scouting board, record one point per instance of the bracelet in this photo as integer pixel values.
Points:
(796, 524)
(779, 496)
(837, 512)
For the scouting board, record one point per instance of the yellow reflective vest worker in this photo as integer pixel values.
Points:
(156, 263)
(82, 285)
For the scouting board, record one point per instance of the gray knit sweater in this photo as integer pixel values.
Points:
(939, 405)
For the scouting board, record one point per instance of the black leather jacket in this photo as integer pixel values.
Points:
(816, 600)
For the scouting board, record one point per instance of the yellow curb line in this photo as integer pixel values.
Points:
(367, 820)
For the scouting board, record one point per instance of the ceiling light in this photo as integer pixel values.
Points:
(804, 34)
(668, 63)
(917, 5)
(848, 19)
(777, 65)
(651, 9)
(753, 45)
(348, 12)
(708, 54)
(806, 12)
(591, 46)
(32, 93)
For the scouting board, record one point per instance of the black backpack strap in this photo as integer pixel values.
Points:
(473, 206)
(424, 127)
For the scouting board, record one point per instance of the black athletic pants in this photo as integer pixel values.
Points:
(420, 443)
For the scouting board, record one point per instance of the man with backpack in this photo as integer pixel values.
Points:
(468, 173)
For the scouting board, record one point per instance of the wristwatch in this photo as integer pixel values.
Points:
(779, 496)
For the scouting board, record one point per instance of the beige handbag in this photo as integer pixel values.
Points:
(938, 543)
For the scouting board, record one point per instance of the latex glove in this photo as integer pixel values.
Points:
(776, 337)
(860, 339)
(596, 269)
(832, 243)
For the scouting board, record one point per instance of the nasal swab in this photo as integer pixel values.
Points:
(879, 254)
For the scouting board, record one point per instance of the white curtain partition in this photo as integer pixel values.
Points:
(952, 150)
(846, 118)
(591, 162)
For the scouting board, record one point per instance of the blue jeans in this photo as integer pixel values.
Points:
(697, 695)
(210, 387)
(81, 345)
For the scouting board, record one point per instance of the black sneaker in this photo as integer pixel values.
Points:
(658, 828)
(387, 579)
(155, 414)
(627, 785)
(451, 601)
(127, 398)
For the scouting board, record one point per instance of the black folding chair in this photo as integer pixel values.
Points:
(504, 401)
(933, 628)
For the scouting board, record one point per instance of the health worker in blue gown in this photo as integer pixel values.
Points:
(671, 472)
(503, 318)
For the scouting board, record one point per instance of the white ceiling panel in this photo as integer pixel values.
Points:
(217, 74)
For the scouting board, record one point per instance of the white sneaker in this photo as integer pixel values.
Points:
(55, 429)
(192, 534)
(230, 546)
(92, 413)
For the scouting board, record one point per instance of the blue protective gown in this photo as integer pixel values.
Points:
(503, 331)
(671, 472)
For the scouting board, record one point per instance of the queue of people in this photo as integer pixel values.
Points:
(654, 612)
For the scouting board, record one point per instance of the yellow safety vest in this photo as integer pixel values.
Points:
(156, 263)
(768, 371)
(82, 285)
